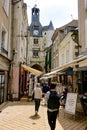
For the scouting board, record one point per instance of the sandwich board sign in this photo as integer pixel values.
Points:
(71, 100)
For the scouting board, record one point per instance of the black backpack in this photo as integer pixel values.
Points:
(53, 101)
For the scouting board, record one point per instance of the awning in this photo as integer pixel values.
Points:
(47, 77)
(70, 64)
(51, 73)
(34, 71)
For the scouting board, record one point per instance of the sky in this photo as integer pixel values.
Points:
(60, 12)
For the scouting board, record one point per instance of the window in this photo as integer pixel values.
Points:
(2, 86)
(6, 6)
(4, 41)
(85, 2)
(35, 41)
(65, 31)
(45, 33)
(36, 28)
(4, 38)
(35, 53)
(62, 57)
(86, 33)
(67, 56)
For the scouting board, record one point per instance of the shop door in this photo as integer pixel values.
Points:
(84, 81)
(2, 85)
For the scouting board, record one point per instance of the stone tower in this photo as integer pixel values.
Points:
(38, 42)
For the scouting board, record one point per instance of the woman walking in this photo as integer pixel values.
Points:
(37, 97)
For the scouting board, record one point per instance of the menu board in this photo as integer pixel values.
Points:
(70, 106)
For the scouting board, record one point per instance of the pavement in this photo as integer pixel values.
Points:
(19, 115)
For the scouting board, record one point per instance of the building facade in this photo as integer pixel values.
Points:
(40, 39)
(82, 64)
(5, 48)
(19, 43)
(63, 55)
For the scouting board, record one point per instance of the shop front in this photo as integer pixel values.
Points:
(82, 80)
(66, 77)
(4, 72)
(28, 77)
(2, 86)
(82, 76)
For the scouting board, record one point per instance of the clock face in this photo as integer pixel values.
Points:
(36, 32)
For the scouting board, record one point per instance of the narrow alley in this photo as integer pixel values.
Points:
(19, 116)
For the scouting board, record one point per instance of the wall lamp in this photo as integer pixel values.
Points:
(14, 51)
(75, 37)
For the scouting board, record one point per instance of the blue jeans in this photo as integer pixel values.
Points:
(37, 104)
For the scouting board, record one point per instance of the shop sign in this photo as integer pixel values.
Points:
(70, 106)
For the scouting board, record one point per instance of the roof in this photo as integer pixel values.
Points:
(48, 27)
(73, 23)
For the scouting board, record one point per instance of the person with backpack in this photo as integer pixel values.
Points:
(53, 105)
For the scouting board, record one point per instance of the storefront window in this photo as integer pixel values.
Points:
(2, 84)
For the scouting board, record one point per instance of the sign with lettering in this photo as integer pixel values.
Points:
(70, 106)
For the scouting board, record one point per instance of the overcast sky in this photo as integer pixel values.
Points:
(60, 12)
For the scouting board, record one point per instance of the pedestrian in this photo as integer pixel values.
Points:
(53, 104)
(45, 87)
(83, 99)
(37, 97)
(63, 97)
(59, 88)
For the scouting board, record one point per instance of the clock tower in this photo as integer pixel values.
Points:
(35, 27)
(40, 38)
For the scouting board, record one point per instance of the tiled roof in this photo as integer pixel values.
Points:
(73, 23)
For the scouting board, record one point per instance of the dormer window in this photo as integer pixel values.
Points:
(65, 31)
(45, 33)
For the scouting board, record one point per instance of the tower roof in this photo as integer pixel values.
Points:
(49, 27)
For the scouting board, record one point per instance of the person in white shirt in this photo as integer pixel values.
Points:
(37, 97)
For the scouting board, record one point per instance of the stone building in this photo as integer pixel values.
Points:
(5, 47)
(40, 39)
(63, 54)
(19, 48)
(82, 62)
